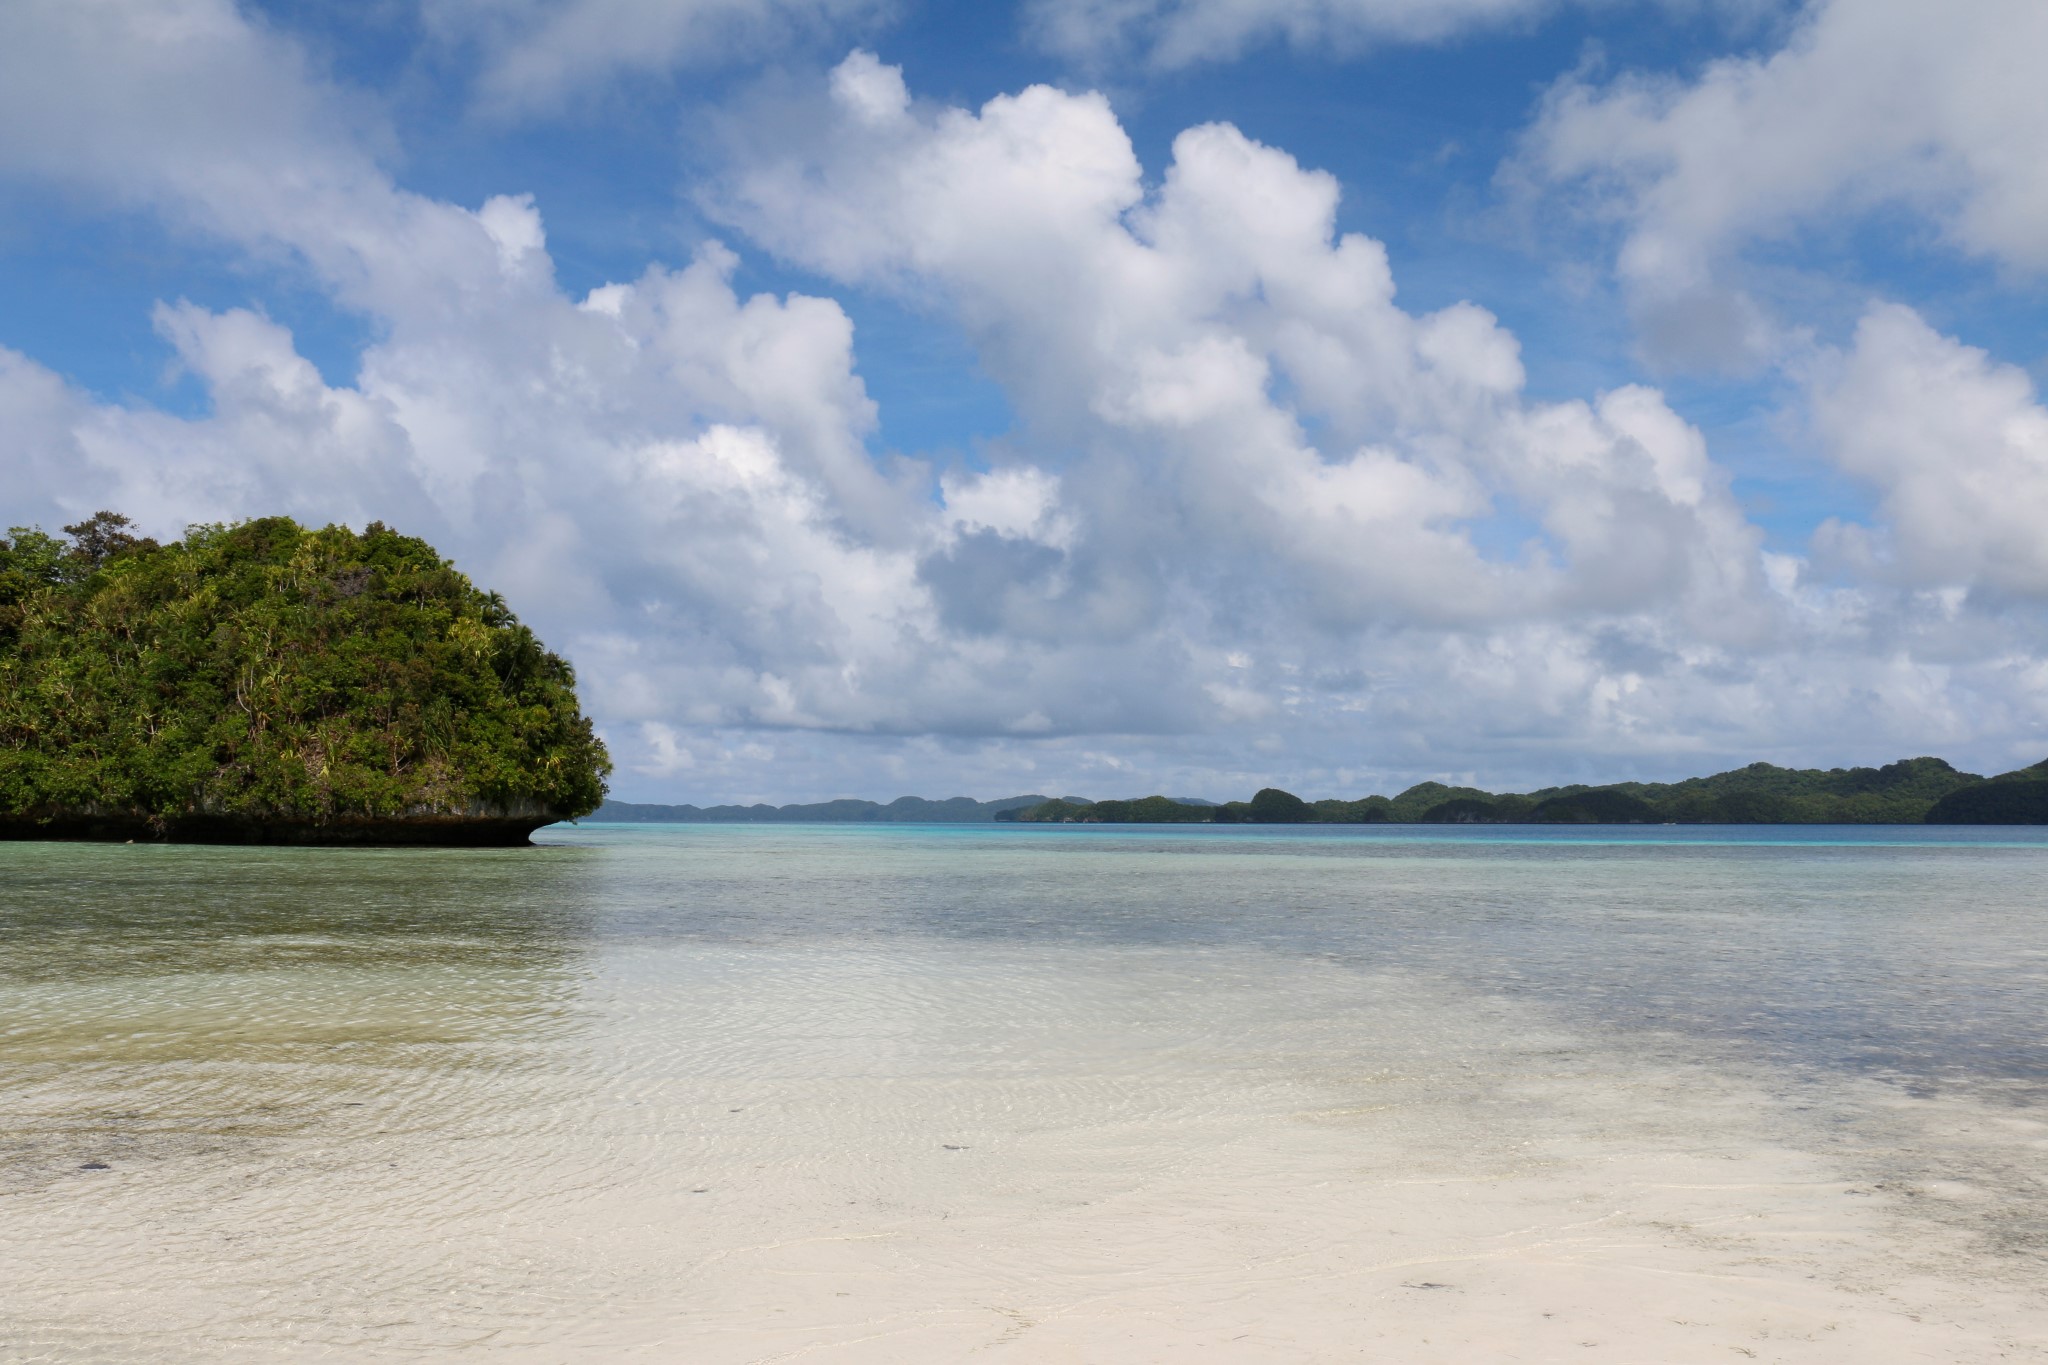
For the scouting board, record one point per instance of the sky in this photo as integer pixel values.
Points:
(1104, 397)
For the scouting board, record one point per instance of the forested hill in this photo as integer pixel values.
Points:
(1911, 791)
(268, 682)
(903, 810)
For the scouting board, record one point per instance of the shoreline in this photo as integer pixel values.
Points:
(447, 831)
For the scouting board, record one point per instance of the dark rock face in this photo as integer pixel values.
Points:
(484, 827)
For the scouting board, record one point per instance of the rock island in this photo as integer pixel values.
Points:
(268, 683)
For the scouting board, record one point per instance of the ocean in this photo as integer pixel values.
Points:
(732, 1093)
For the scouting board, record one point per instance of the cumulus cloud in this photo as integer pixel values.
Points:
(1244, 386)
(1352, 514)
(1956, 446)
(671, 476)
(715, 568)
(1258, 522)
(189, 109)
(1868, 104)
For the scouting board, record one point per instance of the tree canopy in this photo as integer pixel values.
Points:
(265, 676)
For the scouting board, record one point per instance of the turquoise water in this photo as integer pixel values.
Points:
(1919, 955)
(864, 1093)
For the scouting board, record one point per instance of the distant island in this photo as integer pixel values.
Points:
(267, 683)
(904, 810)
(1910, 792)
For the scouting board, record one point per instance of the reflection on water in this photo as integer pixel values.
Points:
(907, 1093)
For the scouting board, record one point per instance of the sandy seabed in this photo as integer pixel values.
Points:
(961, 1151)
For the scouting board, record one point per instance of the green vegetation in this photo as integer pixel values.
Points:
(265, 681)
(1372, 810)
(1600, 806)
(1907, 792)
(1146, 810)
(2016, 798)
(1417, 803)
(1465, 810)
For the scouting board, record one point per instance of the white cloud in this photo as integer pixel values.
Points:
(670, 477)
(1258, 523)
(188, 109)
(1022, 503)
(1936, 108)
(1263, 450)
(870, 91)
(1190, 341)
(1956, 446)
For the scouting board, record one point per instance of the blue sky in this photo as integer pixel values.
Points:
(1498, 390)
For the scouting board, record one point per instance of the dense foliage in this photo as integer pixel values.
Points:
(1906, 792)
(1147, 810)
(2016, 798)
(266, 671)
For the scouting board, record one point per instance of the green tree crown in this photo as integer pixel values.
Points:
(265, 669)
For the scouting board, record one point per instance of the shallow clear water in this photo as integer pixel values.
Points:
(746, 1093)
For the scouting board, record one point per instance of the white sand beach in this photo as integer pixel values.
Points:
(977, 1152)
